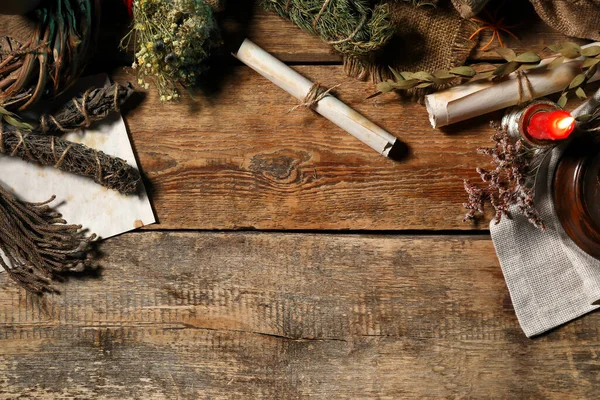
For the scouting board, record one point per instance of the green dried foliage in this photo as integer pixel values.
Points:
(352, 27)
(566, 52)
(13, 120)
(589, 68)
(421, 80)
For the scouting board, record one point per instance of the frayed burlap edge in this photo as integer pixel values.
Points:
(469, 8)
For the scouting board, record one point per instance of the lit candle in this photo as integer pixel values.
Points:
(551, 125)
(129, 4)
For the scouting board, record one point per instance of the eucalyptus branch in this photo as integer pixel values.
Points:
(566, 51)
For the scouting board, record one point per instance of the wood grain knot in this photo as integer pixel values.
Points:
(155, 162)
(282, 166)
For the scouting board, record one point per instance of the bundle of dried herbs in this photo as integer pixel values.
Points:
(81, 112)
(174, 39)
(355, 28)
(111, 172)
(511, 182)
(37, 243)
(34, 144)
(52, 55)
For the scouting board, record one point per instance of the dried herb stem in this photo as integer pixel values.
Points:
(514, 63)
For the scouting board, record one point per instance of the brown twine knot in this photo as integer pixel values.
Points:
(523, 81)
(44, 125)
(314, 96)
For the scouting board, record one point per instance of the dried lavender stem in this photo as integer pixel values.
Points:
(111, 172)
(508, 183)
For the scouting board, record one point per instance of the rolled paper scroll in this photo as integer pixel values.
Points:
(327, 105)
(480, 97)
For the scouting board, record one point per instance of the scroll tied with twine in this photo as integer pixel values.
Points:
(314, 95)
(320, 100)
(482, 96)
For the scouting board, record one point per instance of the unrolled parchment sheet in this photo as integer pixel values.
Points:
(482, 96)
(82, 201)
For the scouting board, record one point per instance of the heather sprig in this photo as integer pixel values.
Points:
(511, 182)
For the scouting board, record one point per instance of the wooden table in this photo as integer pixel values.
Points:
(292, 261)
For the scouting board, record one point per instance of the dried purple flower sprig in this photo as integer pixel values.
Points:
(509, 183)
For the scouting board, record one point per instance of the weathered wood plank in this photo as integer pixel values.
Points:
(237, 159)
(210, 315)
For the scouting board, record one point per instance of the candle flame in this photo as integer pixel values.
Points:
(565, 123)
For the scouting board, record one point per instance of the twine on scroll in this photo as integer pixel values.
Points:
(314, 96)
(110, 172)
(81, 112)
(524, 82)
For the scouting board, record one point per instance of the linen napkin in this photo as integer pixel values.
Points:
(550, 279)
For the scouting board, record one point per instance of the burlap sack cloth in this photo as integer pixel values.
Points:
(427, 39)
(579, 18)
(469, 8)
(550, 279)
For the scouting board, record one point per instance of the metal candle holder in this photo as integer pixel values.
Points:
(516, 120)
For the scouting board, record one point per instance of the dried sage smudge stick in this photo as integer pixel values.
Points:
(37, 243)
(81, 112)
(111, 172)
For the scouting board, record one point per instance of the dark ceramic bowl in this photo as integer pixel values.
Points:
(577, 192)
